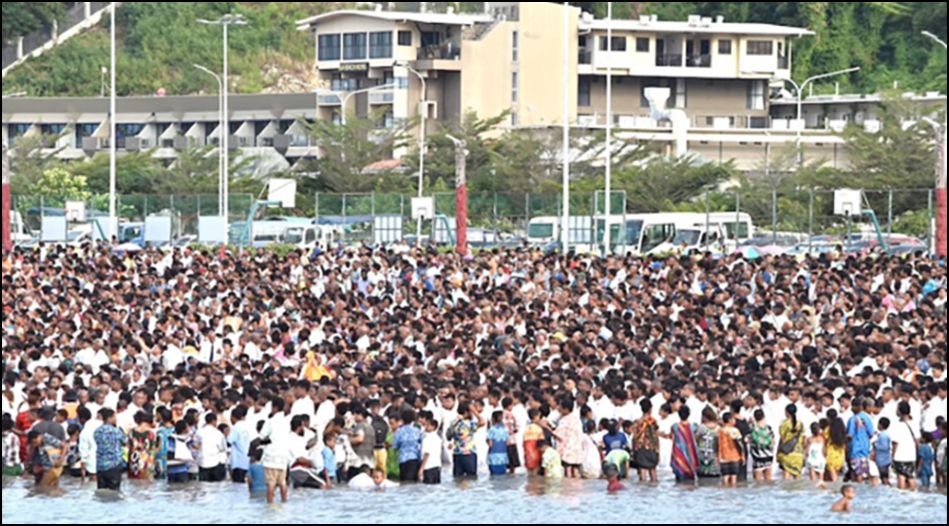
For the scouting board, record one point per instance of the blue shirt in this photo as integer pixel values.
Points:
(497, 454)
(109, 442)
(256, 475)
(408, 440)
(329, 462)
(240, 446)
(884, 449)
(860, 430)
(614, 442)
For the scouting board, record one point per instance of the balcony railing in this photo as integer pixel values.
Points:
(669, 61)
(699, 61)
(386, 97)
(442, 52)
(329, 100)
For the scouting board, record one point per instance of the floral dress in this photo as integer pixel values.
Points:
(143, 448)
(646, 442)
(570, 445)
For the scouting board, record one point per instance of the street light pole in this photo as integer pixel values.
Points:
(941, 141)
(351, 94)
(423, 114)
(609, 130)
(225, 22)
(113, 221)
(565, 208)
(800, 101)
(222, 154)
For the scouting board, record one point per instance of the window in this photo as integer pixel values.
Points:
(642, 45)
(583, 92)
(619, 44)
(760, 47)
(656, 235)
(514, 47)
(380, 44)
(329, 47)
(514, 120)
(724, 47)
(354, 46)
(756, 95)
(405, 38)
(514, 86)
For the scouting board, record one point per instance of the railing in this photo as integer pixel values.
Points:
(386, 97)
(699, 61)
(669, 61)
(73, 17)
(442, 52)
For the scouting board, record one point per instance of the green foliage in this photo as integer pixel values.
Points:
(59, 183)
(20, 18)
(348, 149)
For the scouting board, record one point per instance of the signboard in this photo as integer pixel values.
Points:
(423, 208)
(848, 202)
(354, 68)
(283, 191)
(158, 230)
(212, 230)
(54, 230)
(75, 211)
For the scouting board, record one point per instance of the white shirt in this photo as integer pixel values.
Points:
(213, 447)
(87, 445)
(363, 482)
(277, 453)
(432, 446)
(904, 442)
(303, 406)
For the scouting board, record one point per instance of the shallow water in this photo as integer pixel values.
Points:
(514, 500)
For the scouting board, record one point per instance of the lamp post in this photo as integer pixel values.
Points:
(941, 141)
(609, 131)
(351, 94)
(800, 101)
(222, 156)
(113, 221)
(423, 114)
(226, 22)
(565, 208)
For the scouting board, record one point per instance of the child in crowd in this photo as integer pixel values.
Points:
(612, 476)
(330, 469)
(730, 451)
(12, 466)
(927, 458)
(550, 461)
(816, 459)
(845, 504)
(430, 471)
(533, 435)
(497, 445)
(256, 483)
(883, 451)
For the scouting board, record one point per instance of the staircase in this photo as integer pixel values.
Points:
(79, 17)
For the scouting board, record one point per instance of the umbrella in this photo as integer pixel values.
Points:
(127, 248)
(749, 252)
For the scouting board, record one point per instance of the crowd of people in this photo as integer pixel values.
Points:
(371, 367)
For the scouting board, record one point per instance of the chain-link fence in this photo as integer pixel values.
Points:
(801, 217)
(788, 219)
(83, 215)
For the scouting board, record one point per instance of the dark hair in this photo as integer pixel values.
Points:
(105, 414)
(838, 433)
(904, 410)
(684, 413)
(792, 412)
(884, 423)
(239, 412)
(209, 418)
(181, 427)
(759, 415)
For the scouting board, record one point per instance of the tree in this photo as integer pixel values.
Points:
(59, 184)
(348, 149)
(20, 18)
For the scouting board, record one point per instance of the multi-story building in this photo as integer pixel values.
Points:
(405, 66)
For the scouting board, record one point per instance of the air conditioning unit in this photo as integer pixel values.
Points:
(180, 143)
(91, 145)
(133, 144)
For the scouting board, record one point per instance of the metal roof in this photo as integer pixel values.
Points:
(713, 27)
(398, 16)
